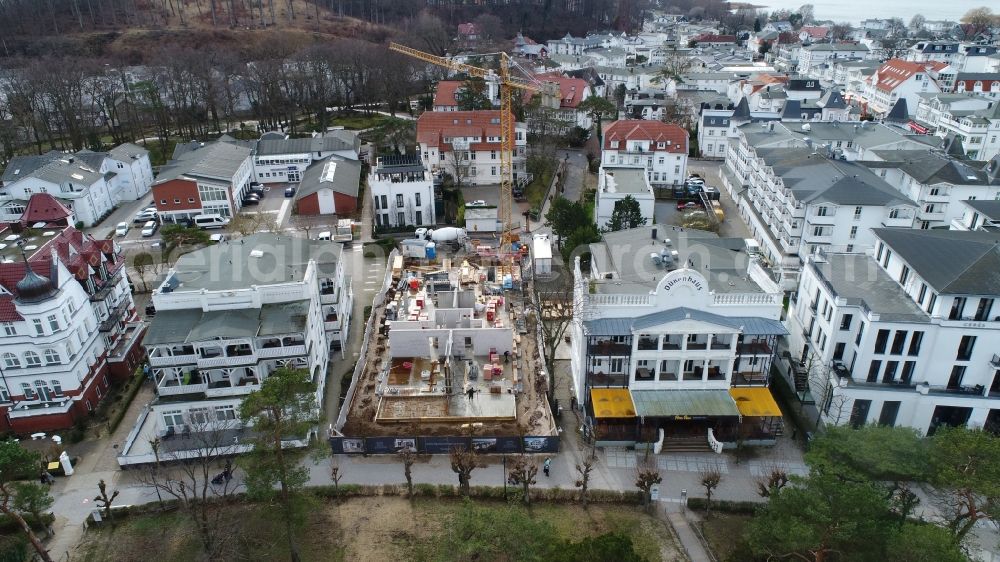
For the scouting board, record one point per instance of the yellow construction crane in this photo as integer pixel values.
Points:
(508, 83)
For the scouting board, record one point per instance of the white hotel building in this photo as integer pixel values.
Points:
(673, 336)
(402, 192)
(220, 331)
(905, 336)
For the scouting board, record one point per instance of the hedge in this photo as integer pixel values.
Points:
(9, 526)
(746, 508)
(131, 389)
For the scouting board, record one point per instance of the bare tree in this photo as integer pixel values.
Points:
(584, 468)
(457, 166)
(463, 462)
(553, 306)
(335, 475)
(193, 481)
(104, 499)
(771, 481)
(647, 475)
(248, 223)
(408, 456)
(522, 473)
(710, 480)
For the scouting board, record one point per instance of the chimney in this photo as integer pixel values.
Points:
(654, 233)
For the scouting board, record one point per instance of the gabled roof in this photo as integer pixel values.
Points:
(127, 151)
(815, 31)
(342, 175)
(742, 111)
(951, 261)
(445, 93)
(929, 168)
(219, 160)
(22, 166)
(675, 137)
(330, 141)
(836, 47)
(434, 126)
(895, 72)
(899, 112)
(571, 90)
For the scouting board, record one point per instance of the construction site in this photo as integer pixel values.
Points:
(450, 353)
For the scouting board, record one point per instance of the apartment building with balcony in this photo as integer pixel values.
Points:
(402, 192)
(673, 336)
(906, 335)
(979, 214)
(814, 59)
(466, 145)
(973, 119)
(660, 148)
(70, 328)
(84, 189)
(797, 200)
(937, 181)
(227, 316)
(895, 80)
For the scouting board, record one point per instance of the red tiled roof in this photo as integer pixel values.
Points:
(434, 126)
(815, 31)
(636, 129)
(895, 72)
(446, 92)
(43, 207)
(571, 90)
(10, 274)
(467, 29)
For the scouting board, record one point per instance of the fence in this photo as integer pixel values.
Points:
(359, 367)
(444, 444)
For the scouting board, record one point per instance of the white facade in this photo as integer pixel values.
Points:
(812, 59)
(973, 119)
(654, 326)
(402, 194)
(879, 343)
(285, 160)
(85, 191)
(133, 172)
(614, 185)
(663, 158)
(215, 340)
(463, 144)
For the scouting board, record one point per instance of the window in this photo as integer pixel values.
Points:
(881, 340)
(984, 308)
(897, 342)
(822, 211)
(173, 418)
(907, 375)
(861, 331)
(965, 348)
(31, 359)
(29, 393)
(419, 217)
(614, 144)
(873, 370)
(904, 275)
(199, 416)
(53, 323)
(56, 387)
(845, 321)
(9, 328)
(854, 232)
(376, 202)
(957, 307)
(11, 361)
(385, 202)
(39, 329)
(885, 260)
(890, 409)
(399, 200)
(881, 249)
(922, 293)
(931, 303)
(955, 380)
(400, 219)
(838, 351)
(857, 213)
(177, 201)
(4, 394)
(225, 413)
(859, 413)
(90, 407)
(51, 357)
(416, 199)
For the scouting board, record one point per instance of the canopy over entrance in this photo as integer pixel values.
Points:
(612, 403)
(684, 403)
(755, 402)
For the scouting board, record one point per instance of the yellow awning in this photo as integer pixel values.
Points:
(612, 403)
(755, 402)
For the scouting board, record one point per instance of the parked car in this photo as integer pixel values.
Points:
(150, 310)
(289, 192)
(686, 205)
(251, 199)
(144, 217)
(217, 238)
(149, 229)
(121, 229)
(210, 221)
(476, 203)
(258, 190)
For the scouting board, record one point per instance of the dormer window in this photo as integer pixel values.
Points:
(614, 144)
(661, 145)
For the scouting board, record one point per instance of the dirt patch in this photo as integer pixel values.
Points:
(369, 529)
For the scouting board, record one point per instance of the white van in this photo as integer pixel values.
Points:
(149, 229)
(325, 235)
(210, 221)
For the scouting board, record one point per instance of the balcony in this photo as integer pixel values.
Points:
(720, 344)
(189, 383)
(172, 360)
(644, 374)
(227, 360)
(27, 409)
(753, 348)
(995, 361)
(609, 348)
(670, 345)
(647, 344)
(106, 289)
(281, 351)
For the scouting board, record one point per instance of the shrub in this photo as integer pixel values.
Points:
(746, 508)
(425, 490)
(447, 491)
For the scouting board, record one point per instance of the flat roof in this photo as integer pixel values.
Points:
(193, 325)
(626, 180)
(670, 403)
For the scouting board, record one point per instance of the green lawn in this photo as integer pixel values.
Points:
(357, 121)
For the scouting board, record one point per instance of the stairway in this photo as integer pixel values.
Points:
(685, 445)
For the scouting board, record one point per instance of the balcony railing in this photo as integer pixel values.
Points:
(753, 348)
(227, 360)
(646, 344)
(282, 351)
(609, 348)
(172, 360)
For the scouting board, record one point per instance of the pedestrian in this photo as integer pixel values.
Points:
(546, 465)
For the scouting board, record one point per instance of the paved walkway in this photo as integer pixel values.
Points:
(688, 538)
